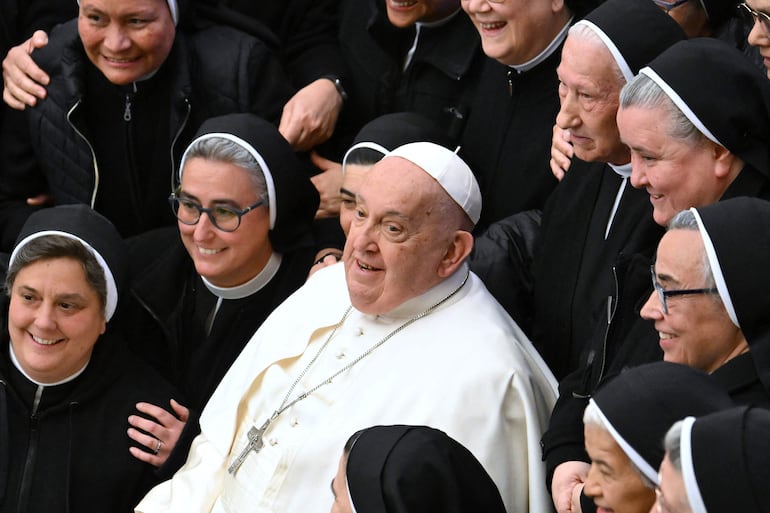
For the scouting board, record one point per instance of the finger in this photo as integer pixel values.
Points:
(12, 102)
(156, 412)
(38, 40)
(149, 426)
(146, 457)
(148, 443)
(40, 199)
(182, 412)
(556, 170)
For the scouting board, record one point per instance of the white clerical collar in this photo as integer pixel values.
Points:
(552, 47)
(39, 383)
(429, 298)
(250, 287)
(623, 171)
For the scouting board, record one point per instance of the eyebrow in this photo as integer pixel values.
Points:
(186, 195)
(345, 191)
(666, 278)
(74, 296)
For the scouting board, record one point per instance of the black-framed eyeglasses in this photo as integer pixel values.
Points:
(756, 16)
(664, 294)
(223, 217)
(667, 6)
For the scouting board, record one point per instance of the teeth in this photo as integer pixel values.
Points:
(366, 267)
(402, 4)
(44, 342)
(493, 25)
(665, 336)
(206, 251)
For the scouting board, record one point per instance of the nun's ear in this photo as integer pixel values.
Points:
(725, 161)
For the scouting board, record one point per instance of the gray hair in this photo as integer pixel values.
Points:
(672, 444)
(224, 150)
(685, 220)
(49, 247)
(645, 93)
(586, 34)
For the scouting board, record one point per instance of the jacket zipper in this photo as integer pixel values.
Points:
(90, 147)
(611, 310)
(174, 141)
(29, 463)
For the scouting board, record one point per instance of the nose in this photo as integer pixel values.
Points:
(638, 173)
(471, 6)
(362, 237)
(204, 228)
(45, 318)
(758, 36)
(568, 112)
(591, 486)
(652, 310)
(116, 40)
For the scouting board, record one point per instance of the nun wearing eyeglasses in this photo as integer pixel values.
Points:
(717, 463)
(245, 208)
(710, 305)
(411, 469)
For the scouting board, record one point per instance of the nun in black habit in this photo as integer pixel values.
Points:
(198, 300)
(411, 469)
(722, 460)
(625, 422)
(67, 381)
(736, 235)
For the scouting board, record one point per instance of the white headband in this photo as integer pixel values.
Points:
(368, 145)
(694, 496)
(622, 64)
(716, 269)
(271, 199)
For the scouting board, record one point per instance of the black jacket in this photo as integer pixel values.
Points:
(50, 147)
(71, 454)
(507, 137)
(438, 83)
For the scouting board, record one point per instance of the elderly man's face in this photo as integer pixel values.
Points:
(126, 40)
(405, 13)
(760, 33)
(671, 495)
(226, 259)
(398, 238)
(613, 483)
(696, 331)
(589, 91)
(515, 31)
(676, 173)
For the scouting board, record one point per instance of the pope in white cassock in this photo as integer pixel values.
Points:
(402, 333)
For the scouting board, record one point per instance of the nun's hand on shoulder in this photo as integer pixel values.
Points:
(23, 80)
(561, 152)
(157, 435)
(328, 183)
(309, 117)
(568, 479)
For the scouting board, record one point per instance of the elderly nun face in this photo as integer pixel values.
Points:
(697, 330)
(671, 495)
(760, 32)
(589, 88)
(225, 258)
(56, 311)
(613, 483)
(126, 40)
(406, 13)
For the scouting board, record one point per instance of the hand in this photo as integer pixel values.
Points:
(577, 491)
(40, 200)
(160, 436)
(23, 80)
(566, 478)
(328, 183)
(561, 152)
(310, 115)
(325, 258)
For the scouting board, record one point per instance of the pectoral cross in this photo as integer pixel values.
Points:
(255, 444)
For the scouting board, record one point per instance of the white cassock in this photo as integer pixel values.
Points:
(466, 368)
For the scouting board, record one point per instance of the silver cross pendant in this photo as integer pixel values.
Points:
(255, 444)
